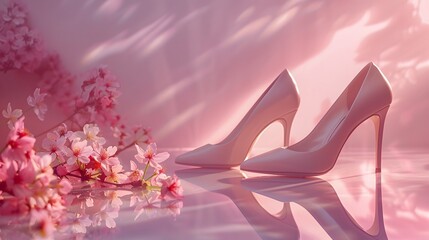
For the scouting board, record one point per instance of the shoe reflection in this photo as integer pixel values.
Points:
(228, 183)
(320, 199)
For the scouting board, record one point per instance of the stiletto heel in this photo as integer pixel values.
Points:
(278, 102)
(286, 121)
(368, 95)
(379, 119)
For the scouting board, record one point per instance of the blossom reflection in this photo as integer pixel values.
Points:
(99, 208)
(91, 210)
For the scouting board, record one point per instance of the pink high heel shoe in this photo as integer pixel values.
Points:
(278, 103)
(368, 96)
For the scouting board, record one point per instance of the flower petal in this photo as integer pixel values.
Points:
(161, 157)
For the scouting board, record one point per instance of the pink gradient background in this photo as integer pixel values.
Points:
(191, 69)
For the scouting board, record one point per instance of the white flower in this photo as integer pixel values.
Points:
(12, 116)
(38, 104)
(54, 144)
(107, 156)
(80, 224)
(135, 174)
(107, 214)
(151, 156)
(114, 174)
(89, 133)
(79, 152)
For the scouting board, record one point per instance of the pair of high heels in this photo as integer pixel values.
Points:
(368, 95)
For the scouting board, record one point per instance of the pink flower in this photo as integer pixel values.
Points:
(54, 201)
(89, 133)
(80, 224)
(15, 14)
(135, 174)
(100, 93)
(44, 197)
(171, 188)
(26, 35)
(141, 135)
(108, 214)
(62, 131)
(19, 146)
(150, 156)
(54, 144)
(174, 207)
(158, 178)
(18, 41)
(38, 104)
(43, 169)
(61, 171)
(43, 164)
(114, 197)
(79, 152)
(42, 224)
(114, 175)
(106, 156)
(11, 116)
(146, 203)
(23, 175)
(100, 82)
(64, 187)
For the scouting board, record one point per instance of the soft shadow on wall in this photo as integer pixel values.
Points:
(191, 69)
(401, 49)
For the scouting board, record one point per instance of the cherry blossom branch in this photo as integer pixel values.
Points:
(65, 120)
(56, 125)
(43, 175)
(125, 148)
(104, 182)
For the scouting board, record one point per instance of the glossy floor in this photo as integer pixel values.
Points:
(349, 202)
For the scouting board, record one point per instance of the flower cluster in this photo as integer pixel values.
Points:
(99, 98)
(101, 208)
(89, 211)
(27, 180)
(84, 156)
(73, 152)
(20, 47)
(37, 182)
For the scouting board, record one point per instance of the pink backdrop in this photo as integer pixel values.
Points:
(191, 69)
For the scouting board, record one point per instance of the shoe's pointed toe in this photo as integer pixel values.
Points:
(193, 158)
(207, 156)
(184, 159)
(264, 163)
(282, 161)
(252, 164)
